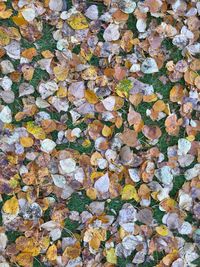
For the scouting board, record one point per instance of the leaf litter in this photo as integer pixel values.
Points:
(99, 124)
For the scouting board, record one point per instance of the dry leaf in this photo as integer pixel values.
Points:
(11, 206)
(78, 21)
(151, 132)
(52, 253)
(129, 192)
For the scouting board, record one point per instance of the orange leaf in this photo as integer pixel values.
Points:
(95, 243)
(19, 20)
(159, 106)
(29, 53)
(171, 124)
(176, 93)
(151, 132)
(91, 97)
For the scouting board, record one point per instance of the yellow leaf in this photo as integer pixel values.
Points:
(122, 232)
(91, 193)
(123, 88)
(11, 206)
(95, 175)
(197, 81)
(25, 259)
(2, 6)
(47, 54)
(13, 182)
(95, 157)
(19, 19)
(35, 130)
(28, 245)
(78, 21)
(86, 54)
(5, 14)
(91, 97)
(60, 72)
(26, 141)
(44, 243)
(106, 131)
(52, 253)
(28, 72)
(34, 251)
(32, 247)
(72, 252)
(129, 192)
(86, 143)
(62, 92)
(190, 138)
(168, 204)
(167, 109)
(89, 74)
(13, 159)
(162, 230)
(14, 33)
(169, 258)
(111, 256)
(119, 102)
(4, 38)
(95, 243)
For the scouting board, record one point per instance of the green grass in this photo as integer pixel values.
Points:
(78, 202)
(69, 228)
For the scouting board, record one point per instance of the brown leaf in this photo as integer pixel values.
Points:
(129, 138)
(151, 132)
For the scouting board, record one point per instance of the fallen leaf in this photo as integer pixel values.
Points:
(111, 256)
(61, 72)
(26, 141)
(151, 132)
(29, 53)
(91, 97)
(52, 253)
(78, 21)
(129, 192)
(162, 230)
(11, 206)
